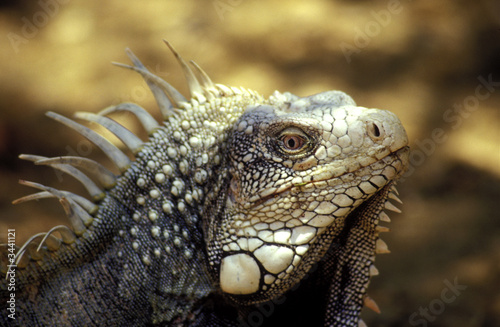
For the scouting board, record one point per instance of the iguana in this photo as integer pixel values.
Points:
(237, 211)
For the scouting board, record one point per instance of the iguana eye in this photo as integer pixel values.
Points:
(293, 141)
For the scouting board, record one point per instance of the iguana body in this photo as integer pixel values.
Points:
(238, 210)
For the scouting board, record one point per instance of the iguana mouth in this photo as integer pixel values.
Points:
(401, 154)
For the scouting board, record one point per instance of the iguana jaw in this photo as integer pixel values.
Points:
(270, 245)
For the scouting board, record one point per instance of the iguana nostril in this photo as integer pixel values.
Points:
(374, 131)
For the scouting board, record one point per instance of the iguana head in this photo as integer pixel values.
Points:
(298, 169)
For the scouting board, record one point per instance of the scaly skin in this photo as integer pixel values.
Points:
(238, 210)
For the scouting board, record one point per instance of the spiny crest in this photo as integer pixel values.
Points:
(380, 246)
(94, 176)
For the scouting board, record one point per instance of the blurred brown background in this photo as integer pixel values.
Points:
(436, 64)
